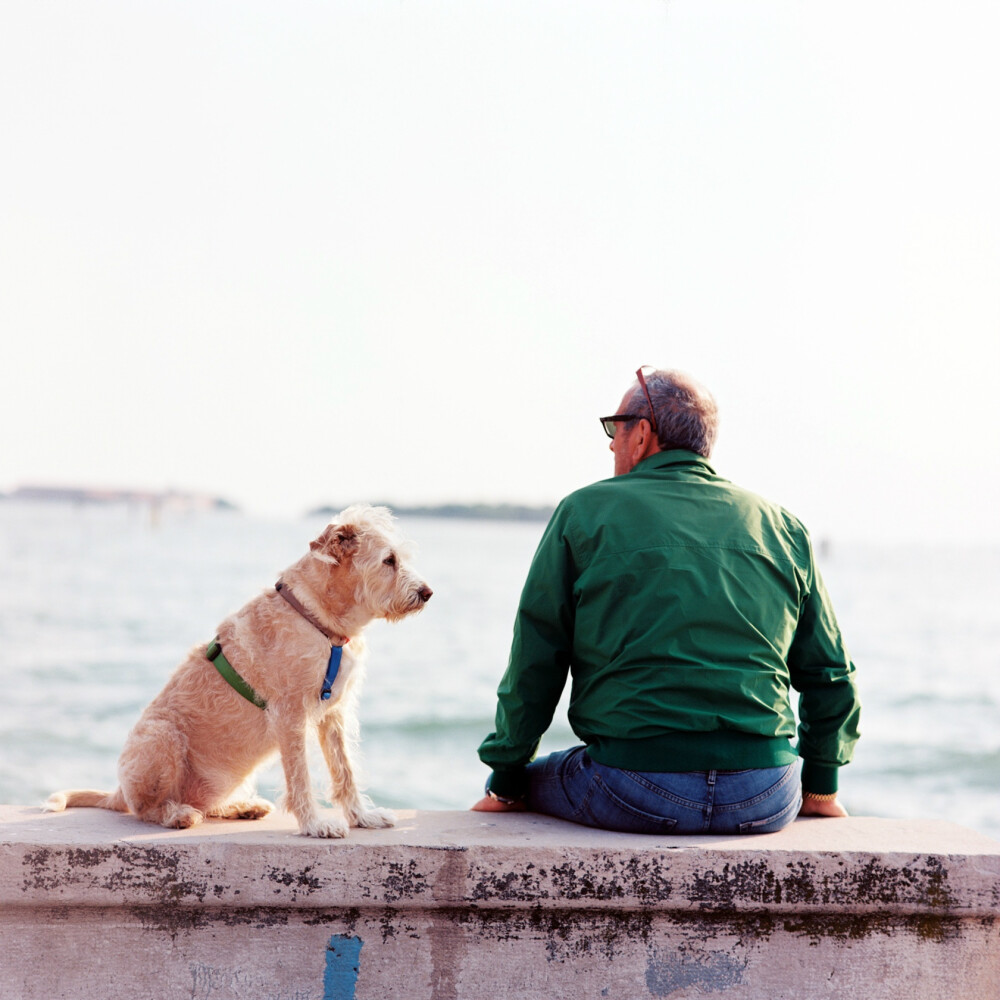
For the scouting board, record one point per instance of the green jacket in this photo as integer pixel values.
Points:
(685, 608)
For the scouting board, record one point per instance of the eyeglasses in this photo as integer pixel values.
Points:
(610, 424)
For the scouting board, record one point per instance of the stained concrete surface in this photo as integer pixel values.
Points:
(458, 904)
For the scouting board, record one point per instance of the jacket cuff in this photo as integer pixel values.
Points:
(511, 783)
(819, 778)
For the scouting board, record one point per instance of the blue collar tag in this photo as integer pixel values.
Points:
(331, 671)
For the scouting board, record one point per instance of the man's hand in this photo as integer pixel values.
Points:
(488, 805)
(821, 807)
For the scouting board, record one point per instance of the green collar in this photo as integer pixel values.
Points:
(229, 675)
(679, 457)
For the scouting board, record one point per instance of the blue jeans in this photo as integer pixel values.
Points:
(571, 785)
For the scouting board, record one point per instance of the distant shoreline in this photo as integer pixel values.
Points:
(81, 495)
(176, 500)
(471, 512)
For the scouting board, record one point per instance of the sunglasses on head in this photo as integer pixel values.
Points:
(610, 424)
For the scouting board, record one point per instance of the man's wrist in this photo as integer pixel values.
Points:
(508, 783)
(502, 799)
(819, 779)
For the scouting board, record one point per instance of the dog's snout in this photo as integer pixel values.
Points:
(425, 593)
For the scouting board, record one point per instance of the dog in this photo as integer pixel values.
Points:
(270, 676)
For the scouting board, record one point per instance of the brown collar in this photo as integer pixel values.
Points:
(338, 640)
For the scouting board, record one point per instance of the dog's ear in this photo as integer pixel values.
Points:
(337, 541)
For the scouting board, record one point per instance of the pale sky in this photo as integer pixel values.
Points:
(301, 253)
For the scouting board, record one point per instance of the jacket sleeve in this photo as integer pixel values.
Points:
(539, 661)
(824, 675)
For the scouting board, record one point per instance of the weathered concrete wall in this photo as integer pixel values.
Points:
(467, 905)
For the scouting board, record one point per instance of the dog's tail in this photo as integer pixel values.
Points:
(58, 801)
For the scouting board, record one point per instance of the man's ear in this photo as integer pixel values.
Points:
(646, 442)
(338, 541)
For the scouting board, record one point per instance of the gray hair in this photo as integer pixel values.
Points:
(685, 411)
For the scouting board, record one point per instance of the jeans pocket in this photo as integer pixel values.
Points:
(610, 812)
(771, 824)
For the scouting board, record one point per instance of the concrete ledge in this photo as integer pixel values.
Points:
(456, 904)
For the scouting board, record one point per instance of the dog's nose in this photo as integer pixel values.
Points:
(425, 593)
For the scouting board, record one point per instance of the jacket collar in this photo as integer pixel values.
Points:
(678, 458)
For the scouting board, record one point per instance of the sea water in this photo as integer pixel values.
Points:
(98, 603)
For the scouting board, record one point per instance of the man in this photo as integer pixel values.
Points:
(685, 610)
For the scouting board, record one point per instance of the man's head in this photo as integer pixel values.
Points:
(665, 409)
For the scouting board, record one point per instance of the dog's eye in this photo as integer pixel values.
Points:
(389, 561)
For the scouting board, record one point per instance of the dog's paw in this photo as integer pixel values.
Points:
(324, 828)
(375, 818)
(181, 817)
(255, 808)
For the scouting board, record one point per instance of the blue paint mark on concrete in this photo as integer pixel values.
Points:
(343, 962)
(715, 971)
